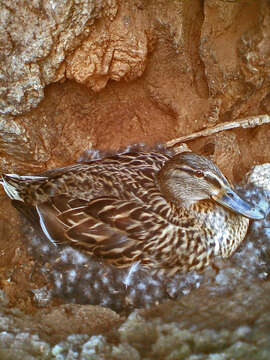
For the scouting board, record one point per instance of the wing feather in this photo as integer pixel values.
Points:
(105, 227)
(119, 231)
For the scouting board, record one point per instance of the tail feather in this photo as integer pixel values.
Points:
(29, 212)
(33, 215)
(11, 182)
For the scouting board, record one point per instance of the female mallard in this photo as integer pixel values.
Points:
(165, 212)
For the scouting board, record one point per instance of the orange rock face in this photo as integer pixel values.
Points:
(80, 75)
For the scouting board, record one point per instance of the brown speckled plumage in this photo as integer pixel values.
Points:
(162, 211)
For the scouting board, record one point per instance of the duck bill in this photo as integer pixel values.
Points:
(232, 201)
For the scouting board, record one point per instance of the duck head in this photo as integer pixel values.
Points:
(188, 178)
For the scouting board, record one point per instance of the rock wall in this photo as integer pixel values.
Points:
(80, 74)
(104, 74)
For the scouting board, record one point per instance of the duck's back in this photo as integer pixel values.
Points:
(124, 176)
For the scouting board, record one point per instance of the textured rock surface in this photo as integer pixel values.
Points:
(114, 50)
(201, 326)
(157, 69)
(35, 39)
(78, 74)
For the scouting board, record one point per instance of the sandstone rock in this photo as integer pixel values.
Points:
(35, 38)
(80, 74)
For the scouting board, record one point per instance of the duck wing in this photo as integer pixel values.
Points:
(112, 229)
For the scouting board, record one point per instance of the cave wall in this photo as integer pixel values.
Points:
(80, 74)
(104, 74)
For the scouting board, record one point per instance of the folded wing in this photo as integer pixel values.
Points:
(106, 227)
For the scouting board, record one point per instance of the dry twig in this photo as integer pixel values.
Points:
(249, 122)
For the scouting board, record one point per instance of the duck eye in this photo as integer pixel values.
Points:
(199, 174)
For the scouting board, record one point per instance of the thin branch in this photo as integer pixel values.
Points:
(245, 123)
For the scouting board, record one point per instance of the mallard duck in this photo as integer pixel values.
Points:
(166, 212)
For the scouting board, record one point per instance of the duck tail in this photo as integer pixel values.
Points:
(11, 184)
(14, 184)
